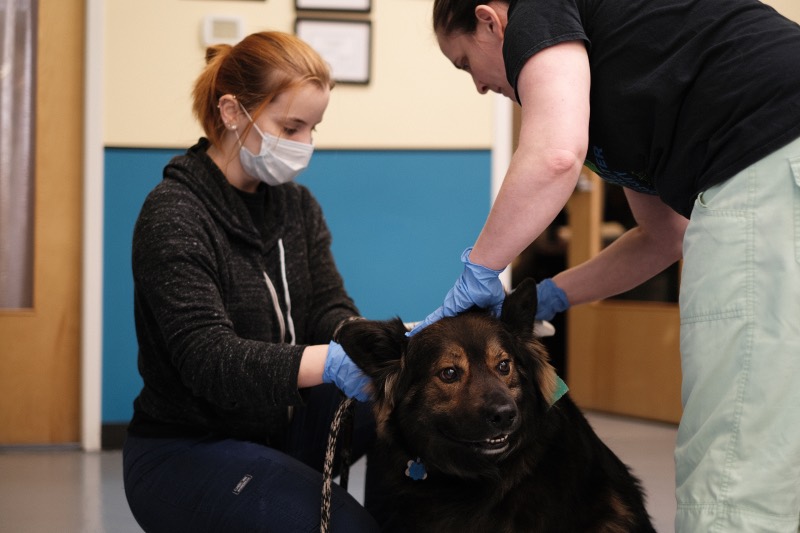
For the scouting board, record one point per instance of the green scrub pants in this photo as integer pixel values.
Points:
(738, 450)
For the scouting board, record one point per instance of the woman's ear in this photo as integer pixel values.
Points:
(229, 111)
(493, 18)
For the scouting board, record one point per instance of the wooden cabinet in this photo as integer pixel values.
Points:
(623, 356)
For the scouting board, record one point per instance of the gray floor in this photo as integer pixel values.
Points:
(69, 491)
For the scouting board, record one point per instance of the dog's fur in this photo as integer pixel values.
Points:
(471, 397)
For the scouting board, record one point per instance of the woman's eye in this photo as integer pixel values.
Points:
(448, 375)
(504, 367)
(289, 131)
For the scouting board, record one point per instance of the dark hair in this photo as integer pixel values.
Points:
(456, 16)
(255, 71)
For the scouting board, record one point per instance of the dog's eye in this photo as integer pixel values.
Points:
(504, 367)
(448, 375)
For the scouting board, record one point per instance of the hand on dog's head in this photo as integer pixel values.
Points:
(377, 347)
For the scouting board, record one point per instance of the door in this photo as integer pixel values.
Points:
(39, 346)
(623, 356)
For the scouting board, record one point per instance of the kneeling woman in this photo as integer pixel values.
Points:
(237, 298)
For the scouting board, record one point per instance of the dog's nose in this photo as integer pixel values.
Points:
(502, 417)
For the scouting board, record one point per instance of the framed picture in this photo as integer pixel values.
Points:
(361, 6)
(344, 44)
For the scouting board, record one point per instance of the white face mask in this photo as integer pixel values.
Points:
(278, 162)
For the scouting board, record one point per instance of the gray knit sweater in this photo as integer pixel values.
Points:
(210, 348)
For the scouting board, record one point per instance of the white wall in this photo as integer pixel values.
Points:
(416, 98)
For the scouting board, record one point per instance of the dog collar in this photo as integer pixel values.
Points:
(561, 390)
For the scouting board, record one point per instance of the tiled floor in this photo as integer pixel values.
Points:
(58, 491)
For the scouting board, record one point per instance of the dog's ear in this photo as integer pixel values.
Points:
(375, 346)
(519, 307)
(519, 315)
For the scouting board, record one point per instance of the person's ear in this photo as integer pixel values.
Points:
(229, 111)
(491, 19)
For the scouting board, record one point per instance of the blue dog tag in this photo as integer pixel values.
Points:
(416, 470)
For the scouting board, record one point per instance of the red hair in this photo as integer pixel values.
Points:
(255, 71)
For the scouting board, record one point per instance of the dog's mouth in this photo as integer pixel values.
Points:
(491, 446)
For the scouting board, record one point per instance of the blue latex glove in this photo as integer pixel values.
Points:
(551, 298)
(345, 374)
(477, 286)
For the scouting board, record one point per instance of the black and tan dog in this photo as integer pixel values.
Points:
(477, 434)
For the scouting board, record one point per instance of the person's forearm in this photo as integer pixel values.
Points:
(532, 195)
(629, 261)
(311, 366)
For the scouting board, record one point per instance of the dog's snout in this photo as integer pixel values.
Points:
(503, 416)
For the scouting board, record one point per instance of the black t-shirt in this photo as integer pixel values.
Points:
(256, 205)
(684, 93)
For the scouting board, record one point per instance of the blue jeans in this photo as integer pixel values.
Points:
(218, 484)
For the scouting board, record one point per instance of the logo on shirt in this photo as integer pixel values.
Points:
(637, 181)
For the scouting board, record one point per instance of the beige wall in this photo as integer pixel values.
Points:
(789, 8)
(416, 99)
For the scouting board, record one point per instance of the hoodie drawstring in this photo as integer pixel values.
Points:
(282, 323)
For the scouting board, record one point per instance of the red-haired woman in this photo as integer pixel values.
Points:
(237, 298)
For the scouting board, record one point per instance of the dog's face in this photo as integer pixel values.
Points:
(457, 393)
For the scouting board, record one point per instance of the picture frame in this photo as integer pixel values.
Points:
(344, 44)
(354, 6)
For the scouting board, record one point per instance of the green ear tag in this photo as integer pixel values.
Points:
(561, 390)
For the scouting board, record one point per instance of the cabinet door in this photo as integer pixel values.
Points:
(623, 356)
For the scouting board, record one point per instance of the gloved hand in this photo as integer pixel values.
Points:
(344, 373)
(477, 286)
(551, 298)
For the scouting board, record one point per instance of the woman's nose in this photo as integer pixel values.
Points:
(481, 87)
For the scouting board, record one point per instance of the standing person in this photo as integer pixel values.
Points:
(237, 298)
(695, 111)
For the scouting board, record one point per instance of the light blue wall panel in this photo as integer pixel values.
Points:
(399, 219)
